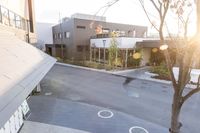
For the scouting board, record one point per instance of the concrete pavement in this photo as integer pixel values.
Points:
(37, 127)
(142, 99)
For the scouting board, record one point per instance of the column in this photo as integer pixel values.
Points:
(126, 60)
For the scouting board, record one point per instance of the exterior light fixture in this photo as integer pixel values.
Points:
(136, 55)
(154, 50)
(164, 47)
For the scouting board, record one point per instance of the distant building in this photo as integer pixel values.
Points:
(75, 34)
(22, 65)
(44, 34)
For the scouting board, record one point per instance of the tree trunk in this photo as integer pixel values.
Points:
(176, 108)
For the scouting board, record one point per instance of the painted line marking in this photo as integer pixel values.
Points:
(137, 129)
(105, 111)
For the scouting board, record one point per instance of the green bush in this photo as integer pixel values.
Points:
(162, 71)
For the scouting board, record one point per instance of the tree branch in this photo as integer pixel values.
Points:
(192, 91)
(155, 5)
(142, 4)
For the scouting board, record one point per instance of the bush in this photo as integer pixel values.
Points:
(162, 71)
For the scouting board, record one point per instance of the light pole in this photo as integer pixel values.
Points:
(104, 52)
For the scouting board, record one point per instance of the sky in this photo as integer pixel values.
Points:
(124, 11)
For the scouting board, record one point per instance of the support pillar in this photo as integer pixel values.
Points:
(38, 88)
(116, 55)
(90, 54)
(126, 60)
(99, 55)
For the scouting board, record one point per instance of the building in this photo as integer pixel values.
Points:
(17, 16)
(75, 34)
(22, 65)
(44, 34)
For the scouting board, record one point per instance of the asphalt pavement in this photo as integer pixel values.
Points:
(72, 97)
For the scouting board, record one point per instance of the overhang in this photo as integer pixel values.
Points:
(22, 67)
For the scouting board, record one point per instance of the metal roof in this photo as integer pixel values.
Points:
(22, 67)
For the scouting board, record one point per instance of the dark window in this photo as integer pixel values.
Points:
(59, 35)
(55, 36)
(80, 48)
(80, 27)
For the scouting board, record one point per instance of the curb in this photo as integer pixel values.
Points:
(114, 73)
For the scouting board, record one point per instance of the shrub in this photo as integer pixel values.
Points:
(162, 71)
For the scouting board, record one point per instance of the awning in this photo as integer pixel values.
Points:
(22, 67)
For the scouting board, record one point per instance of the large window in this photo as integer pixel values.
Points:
(12, 19)
(5, 18)
(18, 22)
(67, 34)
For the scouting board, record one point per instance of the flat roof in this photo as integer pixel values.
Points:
(22, 67)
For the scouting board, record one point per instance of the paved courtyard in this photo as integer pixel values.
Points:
(73, 97)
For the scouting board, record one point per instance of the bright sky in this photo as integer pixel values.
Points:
(124, 11)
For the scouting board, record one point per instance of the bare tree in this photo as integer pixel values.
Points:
(186, 52)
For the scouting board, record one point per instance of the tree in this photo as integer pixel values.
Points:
(113, 51)
(187, 50)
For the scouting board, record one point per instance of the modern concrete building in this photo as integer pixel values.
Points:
(22, 65)
(75, 33)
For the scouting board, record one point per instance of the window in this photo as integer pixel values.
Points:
(12, 19)
(105, 30)
(67, 34)
(5, 18)
(18, 23)
(59, 35)
(54, 36)
(80, 27)
(134, 33)
(24, 24)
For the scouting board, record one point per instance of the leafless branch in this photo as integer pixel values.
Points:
(145, 11)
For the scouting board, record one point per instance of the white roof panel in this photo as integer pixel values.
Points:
(22, 67)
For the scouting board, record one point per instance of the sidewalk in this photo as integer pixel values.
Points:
(36, 127)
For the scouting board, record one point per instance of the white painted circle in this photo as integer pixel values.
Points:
(137, 129)
(107, 116)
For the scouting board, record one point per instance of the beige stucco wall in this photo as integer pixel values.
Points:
(21, 8)
(18, 6)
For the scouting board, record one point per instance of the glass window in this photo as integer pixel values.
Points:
(12, 19)
(5, 19)
(80, 27)
(18, 22)
(55, 36)
(67, 34)
(24, 24)
(59, 35)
